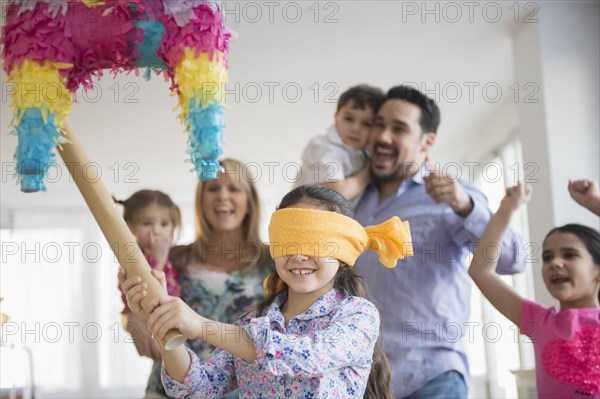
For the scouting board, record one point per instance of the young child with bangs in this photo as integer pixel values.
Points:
(566, 341)
(339, 158)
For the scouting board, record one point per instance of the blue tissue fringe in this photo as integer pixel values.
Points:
(205, 138)
(34, 151)
(153, 34)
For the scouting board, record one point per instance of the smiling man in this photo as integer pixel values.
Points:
(424, 301)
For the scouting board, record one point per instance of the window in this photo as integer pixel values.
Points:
(58, 280)
(494, 336)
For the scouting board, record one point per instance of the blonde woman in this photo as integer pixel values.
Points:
(222, 271)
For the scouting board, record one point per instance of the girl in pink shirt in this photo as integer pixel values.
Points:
(566, 341)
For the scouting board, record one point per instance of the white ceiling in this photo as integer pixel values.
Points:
(376, 42)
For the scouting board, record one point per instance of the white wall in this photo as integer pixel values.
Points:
(560, 133)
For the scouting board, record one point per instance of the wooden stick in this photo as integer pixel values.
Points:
(113, 226)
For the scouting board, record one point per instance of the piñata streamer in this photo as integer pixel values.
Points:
(51, 48)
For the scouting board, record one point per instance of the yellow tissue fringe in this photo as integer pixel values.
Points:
(199, 78)
(93, 3)
(40, 86)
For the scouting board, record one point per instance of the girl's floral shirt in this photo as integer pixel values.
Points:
(325, 352)
(242, 290)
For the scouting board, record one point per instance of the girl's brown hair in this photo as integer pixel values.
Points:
(362, 97)
(254, 252)
(143, 198)
(346, 278)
